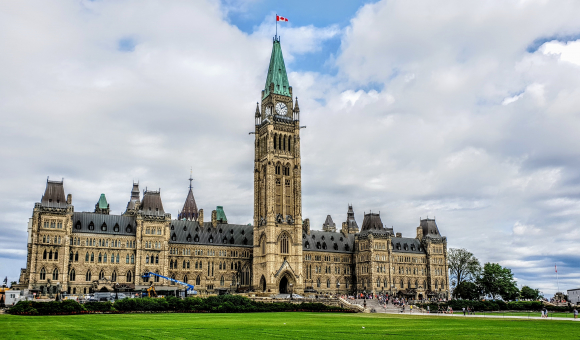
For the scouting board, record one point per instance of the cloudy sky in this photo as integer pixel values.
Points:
(466, 111)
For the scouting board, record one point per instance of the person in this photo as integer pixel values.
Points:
(463, 311)
(411, 308)
(575, 313)
(428, 310)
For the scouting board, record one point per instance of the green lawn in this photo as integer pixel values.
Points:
(279, 326)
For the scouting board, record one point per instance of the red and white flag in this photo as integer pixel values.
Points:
(556, 266)
(279, 18)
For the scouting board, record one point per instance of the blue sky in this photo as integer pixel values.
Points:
(464, 111)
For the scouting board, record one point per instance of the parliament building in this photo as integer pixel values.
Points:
(83, 252)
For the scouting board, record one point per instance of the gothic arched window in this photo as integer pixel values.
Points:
(88, 276)
(114, 276)
(55, 274)
(129, 277)
(102, 275)
(284, 244)
(42, 274)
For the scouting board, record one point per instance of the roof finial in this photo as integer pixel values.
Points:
(190, 178)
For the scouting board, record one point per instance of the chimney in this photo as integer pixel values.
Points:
(200, 217)
(214, 218)
(69, 199)
(399, 235)
(419, 233)
(344, 229)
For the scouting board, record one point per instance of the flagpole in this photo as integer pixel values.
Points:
(557, 279)
(276, 36)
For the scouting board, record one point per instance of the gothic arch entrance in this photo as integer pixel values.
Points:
(263, 283)
(284, 286)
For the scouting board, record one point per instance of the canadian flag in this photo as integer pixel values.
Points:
(279, 18)
(556, 266)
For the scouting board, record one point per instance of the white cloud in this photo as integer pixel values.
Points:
(568, 52)
(412, 125)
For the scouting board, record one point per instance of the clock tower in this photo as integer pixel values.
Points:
(277, 185)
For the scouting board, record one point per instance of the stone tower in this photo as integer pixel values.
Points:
(277, 184)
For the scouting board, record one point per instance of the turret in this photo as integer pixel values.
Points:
(102, 207)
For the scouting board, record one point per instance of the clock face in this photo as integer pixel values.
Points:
(281, 109)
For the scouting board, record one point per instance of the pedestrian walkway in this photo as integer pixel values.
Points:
(392, 309)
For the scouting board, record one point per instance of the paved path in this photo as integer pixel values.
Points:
(391, 309)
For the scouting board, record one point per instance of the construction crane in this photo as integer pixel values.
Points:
(190, 288)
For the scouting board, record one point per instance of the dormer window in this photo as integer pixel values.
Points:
(211, 239)
(173, 237)
(196, 238)
(116, 228)
(220, 231)
(128, 229)
(188, 238)
(307, 245)
(172, 227)
(104, 226)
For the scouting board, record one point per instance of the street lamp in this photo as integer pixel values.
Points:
(337, 289)
(57, 292)
(116, 291)
(365, 297)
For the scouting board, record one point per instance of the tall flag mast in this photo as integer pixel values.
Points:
(279, 18)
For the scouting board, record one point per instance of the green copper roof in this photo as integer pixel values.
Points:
(277, 73)
(220, 214)
(103, 202)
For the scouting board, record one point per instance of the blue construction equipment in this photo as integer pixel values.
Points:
(190, 288)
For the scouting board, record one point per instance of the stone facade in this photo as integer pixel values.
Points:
(81, 252)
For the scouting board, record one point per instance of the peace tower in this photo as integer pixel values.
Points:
(277, 188)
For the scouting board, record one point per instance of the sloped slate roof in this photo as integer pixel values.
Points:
(82, 220)
(185, 232)
(430, 228)
(54, 196)
(335, 242)
(407, 245)
(372, 221)
(152, 204)
(329, 223)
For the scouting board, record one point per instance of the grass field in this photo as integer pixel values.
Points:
(279, 326)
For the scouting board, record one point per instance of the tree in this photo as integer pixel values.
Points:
(529, 293)
(467, 291)
(12, 283)
(463, 266)
(496, 281)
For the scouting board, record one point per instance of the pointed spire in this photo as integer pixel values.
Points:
(257, 109)
(296, 107)
(189, 211)
(277, 79)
